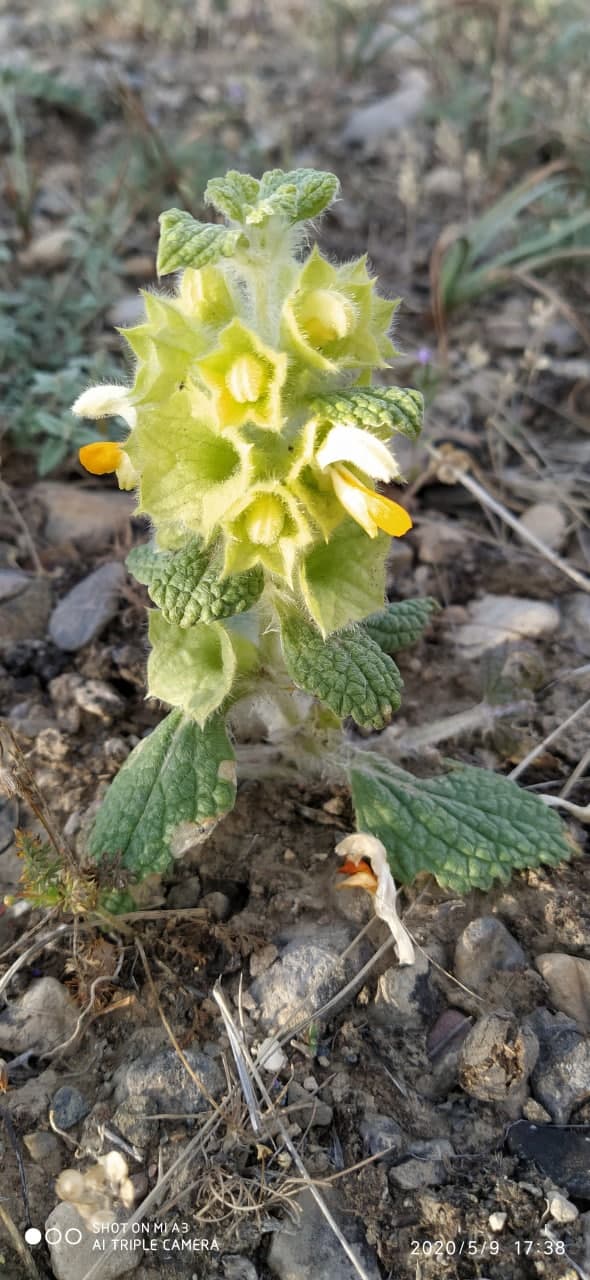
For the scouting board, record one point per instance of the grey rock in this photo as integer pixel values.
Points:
(89, 518)
(30, 1103)
(39, 1020)
(31, 718)
(86, 609)
(217, 904)
(311, 1250)
(486, 947)
(368, 126)
(97, 698)
(44, 1148)
(381, 1134)
(497, 1058)
(306, 1108)
(498, 620)
(546, 521)
(561, 1078)
(71, 1260)
(568, 979)
(69, 1107)
(236, 1267)
(306, 975)
(405, 996)
(425, 1165)
(164, 1084)
(132, 1123)
(25, 603)
(438, 541)
(185, 894)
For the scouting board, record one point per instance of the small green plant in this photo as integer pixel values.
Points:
(256, 439)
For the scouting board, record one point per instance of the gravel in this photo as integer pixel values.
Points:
(85, 611)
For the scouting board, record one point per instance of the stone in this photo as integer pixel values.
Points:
(497, 1058)
(405, 996)
(370, 125)
(44, 1148)
(561, 1209)
(85, 611)
(90, 518)
(97, 698)
(162, 1082)
(261, 960)
(424, 1166)
(497, 1221)
(486, 947)
(25, 603)
(131, 1121)
(306, 1108)
(381, 1135)
(311, 1250)
(48, 251)
(507, 327)
(561, 1078)
(185, 894)
(548, 522)
(438, 541)
(217, 904)
(444, 181)
(568, 979)
(561, 1154)
(307, 974)
(39, 1020)
(237, 1267)
(69, 1107)
(73, 1257)
(31, 719)
(498, 620)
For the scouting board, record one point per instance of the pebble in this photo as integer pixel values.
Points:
(561, 1078)
(163, 1083)
(548, 522)
(405, 996)
(87, 608)
(185, 894)
(44, 1148)
(39, 1020)
(217, 904)
(368, 126)
(311, 1250)
(237, 1267)
(438, 541)
(444, 181)
(561, 1154)
(31, 719)
(484, 948)
(25, 603)
(568, 979)
(97, 698)
(69, 1106)
(425, 1165)
(497, 1058)
(497, 1221)
(90, 518)
(306, 975)
(380, 1134)
(71, 1261)
(561, 1209)
(306, 1108)
(48, 251)
(498, 620)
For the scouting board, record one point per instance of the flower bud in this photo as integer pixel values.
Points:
(245, 380)
(264, 521)
(326, 315)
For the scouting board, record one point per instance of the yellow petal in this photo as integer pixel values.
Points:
(371, 510)
(102, 457)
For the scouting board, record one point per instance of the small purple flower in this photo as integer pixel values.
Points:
(424, 355)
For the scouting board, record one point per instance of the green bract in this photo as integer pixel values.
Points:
(257, 439)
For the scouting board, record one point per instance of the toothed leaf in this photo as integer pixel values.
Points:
(171, 791)
(187, 586)
(184, 242)
(344, 579)
(468, 827)
(399, 626)
(233, 194)
(190, 667)
(380, 410)
(347, 671)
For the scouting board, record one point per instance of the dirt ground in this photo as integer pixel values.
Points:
(105, 120)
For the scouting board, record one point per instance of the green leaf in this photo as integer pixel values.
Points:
(316, 190)
(468, 827)
(399, 626)
(233, 195)
(172, 789)
(190, 667)
(348, 671)
(184, 242)
(344, 579)
(380, 410)
(187, 586)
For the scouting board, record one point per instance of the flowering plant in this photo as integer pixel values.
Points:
(257, 436)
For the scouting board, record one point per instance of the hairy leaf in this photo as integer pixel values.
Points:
(172, 789)
(187, 587)
(233, 194)
(190, 667)
(344, 579)
(348, 671)
(184, 242)
(380, 410)
(399, 626)
(468, 827)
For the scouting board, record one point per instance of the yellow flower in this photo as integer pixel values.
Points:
(106, 456)
(346, 444)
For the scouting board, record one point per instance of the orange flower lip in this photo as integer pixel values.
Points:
(359, 876)
(101, 458)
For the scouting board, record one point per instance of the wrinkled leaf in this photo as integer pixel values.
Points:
(468, 827)
(184, 242)
(380, 410)
(190, 667)
(399, 626)
(187, 586)
(347, 671)
(344, 579)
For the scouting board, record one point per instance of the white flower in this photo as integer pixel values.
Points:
(366, 867)
(371, 510)
(105, 402)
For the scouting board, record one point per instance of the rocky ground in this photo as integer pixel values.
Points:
(442, 1110)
